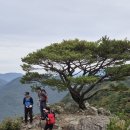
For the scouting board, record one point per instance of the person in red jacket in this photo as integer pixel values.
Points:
(50, 119)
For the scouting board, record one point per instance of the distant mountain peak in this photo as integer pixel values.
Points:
(10, 76)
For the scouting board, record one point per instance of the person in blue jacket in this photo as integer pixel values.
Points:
(28, 107)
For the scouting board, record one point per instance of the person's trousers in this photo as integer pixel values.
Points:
(48, 127)
(28, 112)
(42, 106)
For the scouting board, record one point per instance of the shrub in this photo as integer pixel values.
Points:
(10, 124)
(118, 124)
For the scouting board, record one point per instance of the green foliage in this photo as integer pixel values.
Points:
(118, 124)
(55, 84)
(117, 49)
(120, 87)
(67, 50)
(10, 124)
(29, 76)
(117, 99)
(83, 80)
(118, 72)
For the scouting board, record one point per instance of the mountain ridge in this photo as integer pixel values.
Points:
(10, 76)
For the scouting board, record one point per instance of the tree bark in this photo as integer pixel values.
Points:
(77, 98)
(82, 105)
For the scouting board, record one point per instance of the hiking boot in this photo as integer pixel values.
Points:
(25, 125)
(30, 126)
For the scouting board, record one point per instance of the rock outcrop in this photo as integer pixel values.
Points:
(88, 123)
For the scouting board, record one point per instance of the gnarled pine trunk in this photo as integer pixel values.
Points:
(78, 99)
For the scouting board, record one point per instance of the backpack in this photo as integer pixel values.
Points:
(51, 118)
(27, 102)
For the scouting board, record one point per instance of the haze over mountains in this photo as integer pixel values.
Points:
(12, 93)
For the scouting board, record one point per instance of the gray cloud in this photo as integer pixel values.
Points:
(27, 25)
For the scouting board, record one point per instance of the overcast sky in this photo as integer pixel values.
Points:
(28, 25)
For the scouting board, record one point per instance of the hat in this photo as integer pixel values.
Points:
(26, 93)
(48, 108)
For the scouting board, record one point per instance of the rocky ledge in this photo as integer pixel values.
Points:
(71, 118)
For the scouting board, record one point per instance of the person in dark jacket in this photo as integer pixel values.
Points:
(28, 107)
(42, 95)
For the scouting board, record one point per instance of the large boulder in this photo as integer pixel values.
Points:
(91, 111)
(88, 123)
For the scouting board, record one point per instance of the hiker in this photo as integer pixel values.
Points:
(42, 101)
(28, 106)
(50, 119)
